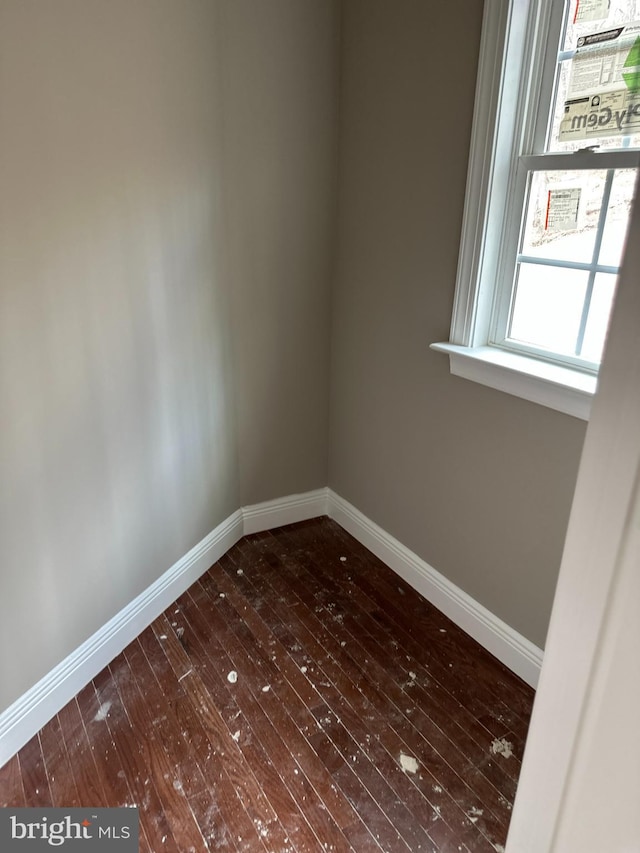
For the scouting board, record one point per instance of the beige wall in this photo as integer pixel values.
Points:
(476, 482)
(280, 71)
(123, 231)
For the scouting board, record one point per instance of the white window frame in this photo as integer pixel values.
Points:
(515, 45)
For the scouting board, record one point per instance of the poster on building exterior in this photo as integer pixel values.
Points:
(591, 10)
(563, 206)
(604, 86)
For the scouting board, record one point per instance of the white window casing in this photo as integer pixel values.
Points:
(516, 72)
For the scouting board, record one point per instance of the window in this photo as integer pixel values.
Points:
(554, 156)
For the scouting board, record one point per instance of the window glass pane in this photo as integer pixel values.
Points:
(548, 306)
(597, 99)
(598, 322)
(592, 16)
(617, 217)
(577, 26)
(562, 215)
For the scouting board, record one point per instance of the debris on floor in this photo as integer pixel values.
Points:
(408, 763)
(501, 746)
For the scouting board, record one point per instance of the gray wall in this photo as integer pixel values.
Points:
(280, 72)
(156, 155)
(478, 483)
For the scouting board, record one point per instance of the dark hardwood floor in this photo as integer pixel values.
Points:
(298, 697)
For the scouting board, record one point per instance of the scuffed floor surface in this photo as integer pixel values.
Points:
(299, 697)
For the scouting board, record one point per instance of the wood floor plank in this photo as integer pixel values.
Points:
(240, 797)
(59, 771)
(89, 783)
(296, 720)
(295, 725)
(161, 767)
(264, 714)
(11, 788)
(187, 775)
(118, 792)
(37, 792)
(132, 749)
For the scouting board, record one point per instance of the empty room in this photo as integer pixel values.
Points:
(320, 443)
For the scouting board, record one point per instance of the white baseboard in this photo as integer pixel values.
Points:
(270, 514)
(510, 647)
(37, 706)
(20, 721)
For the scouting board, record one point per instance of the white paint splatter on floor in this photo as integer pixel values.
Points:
(266, 688)
(102, 712)
(239, 572)
(232, 677)
(343, 559)
(473, 814)
(408, 763)
(236, 736)
(505, 802)
(502, 747)
(303, 669)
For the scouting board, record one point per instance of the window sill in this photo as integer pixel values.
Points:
(550, 385)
